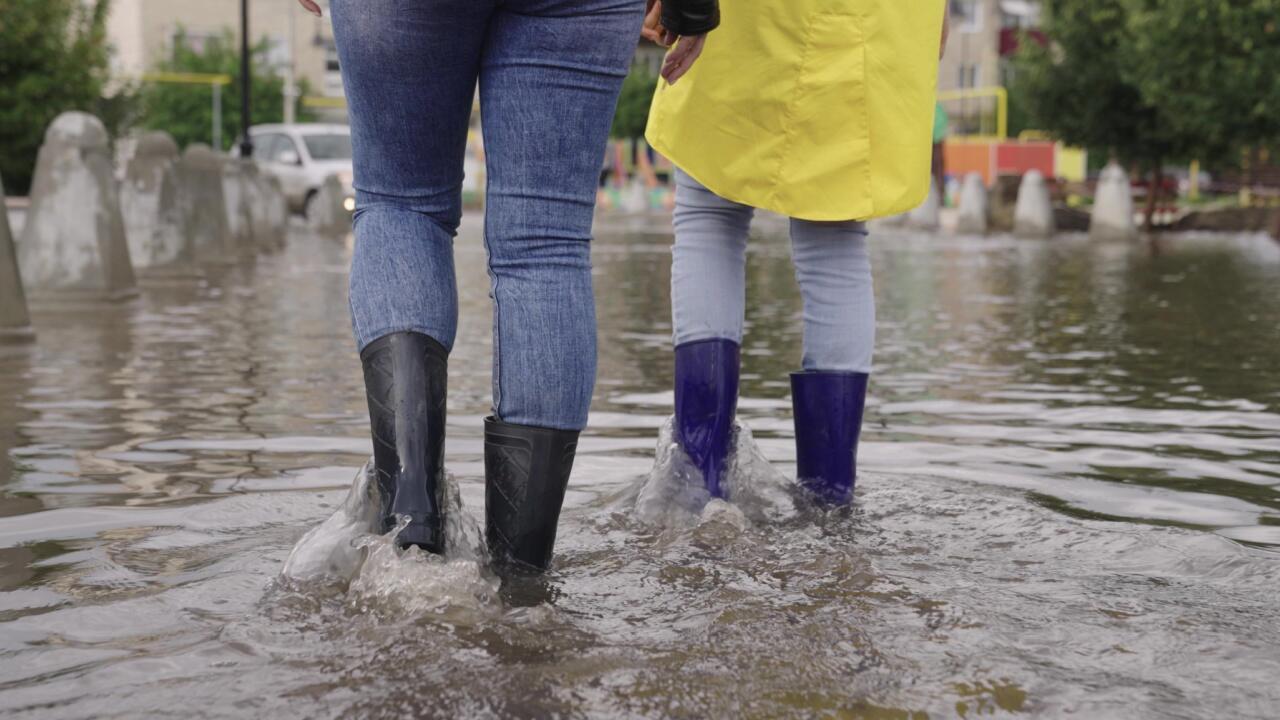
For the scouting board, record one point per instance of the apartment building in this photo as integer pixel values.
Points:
(142, 33)
(984, 36)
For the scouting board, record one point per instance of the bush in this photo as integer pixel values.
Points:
(53, 58)
(185, 111)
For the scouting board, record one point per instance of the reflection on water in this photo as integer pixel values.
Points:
(1069, 503)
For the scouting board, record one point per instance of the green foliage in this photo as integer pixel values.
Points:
(186, 111)
(1081, 87)
(1213, 68)
(1157, 81)
(53, 58)
(633, 104)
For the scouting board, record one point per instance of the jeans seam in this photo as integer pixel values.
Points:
(497, 318)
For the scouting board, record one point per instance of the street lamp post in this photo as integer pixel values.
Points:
(246, 143)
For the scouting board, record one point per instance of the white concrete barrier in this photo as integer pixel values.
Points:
(971, 217)
(635, 199)
(928, 216)
(238, 189)
(73, 244)
(155, 221)
(270, 211)
(327, 213)
(1033, 212)
(204, 205)
(1112, 217)
(15, 322)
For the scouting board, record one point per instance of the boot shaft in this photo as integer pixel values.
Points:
(706, 400)
(526, 473)
(406, 377)
(828, 408)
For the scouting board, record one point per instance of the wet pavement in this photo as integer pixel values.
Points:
(1069, 503)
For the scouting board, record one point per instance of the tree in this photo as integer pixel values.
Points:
(1212, 66)
(1156, 81)
(633, 103)
(185, 111)
(53, 58)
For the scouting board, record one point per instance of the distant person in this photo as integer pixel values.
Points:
(549, 74)
(939, 163)
(820, 111)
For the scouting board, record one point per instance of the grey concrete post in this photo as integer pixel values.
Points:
(928, 216)
(327, 214)
(1112, 217)
(73, 243)
(156, 222)
(237, 187)
(268, 209)
(15, 322)
(972, 216)
(1033, 213)
(200, 180)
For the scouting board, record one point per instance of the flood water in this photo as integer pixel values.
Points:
(1069, 503)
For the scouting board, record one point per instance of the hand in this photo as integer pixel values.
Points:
(652, 29)
(310, 6)
(682, 56)
(946, 30)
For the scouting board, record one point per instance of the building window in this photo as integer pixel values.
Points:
(277, 52)
(332, 71)
(969, 75)
(196, 42)
(968, 15)
(1023, 14)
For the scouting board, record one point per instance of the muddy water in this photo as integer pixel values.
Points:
(1069, 504)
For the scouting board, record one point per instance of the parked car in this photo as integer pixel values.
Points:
(302, 155)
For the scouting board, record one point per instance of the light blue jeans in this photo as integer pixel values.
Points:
(708, 279)
(549, 73)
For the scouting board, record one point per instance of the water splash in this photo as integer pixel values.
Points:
(673, 495)
(347, 550)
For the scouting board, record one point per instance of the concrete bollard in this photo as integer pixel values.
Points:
(971, 218)
(1033, 213)
(237, 191)
(326, 212)
(635, 198)
(1112, 217)
(157, 228)
(270, 213)
(15, 322)
(73, 243)
(204, 206)
(928, 215)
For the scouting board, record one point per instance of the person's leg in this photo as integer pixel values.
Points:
(549, 83)
(834, 272)
(708, 297)
(409, 70)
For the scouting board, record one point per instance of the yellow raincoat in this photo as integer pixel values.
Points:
(816, 109)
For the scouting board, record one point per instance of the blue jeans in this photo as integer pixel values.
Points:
(549, 73)
(708, 279)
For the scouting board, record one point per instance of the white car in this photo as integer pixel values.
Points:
(302, 155)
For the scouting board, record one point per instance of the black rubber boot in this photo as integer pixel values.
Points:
(526, 470)
(405, 376)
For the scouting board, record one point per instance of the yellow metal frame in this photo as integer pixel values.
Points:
(1002, 104)
(188, 78)
(215, 81)
(317, 101)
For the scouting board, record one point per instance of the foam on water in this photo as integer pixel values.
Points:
(347, 550)
(673, 494)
